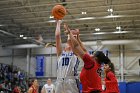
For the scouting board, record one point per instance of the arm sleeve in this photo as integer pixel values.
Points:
(88, 61)
(111, 78)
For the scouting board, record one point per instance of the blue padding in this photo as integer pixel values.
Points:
(122, 87)
(133, 87)
(80, 88)
(130, 87)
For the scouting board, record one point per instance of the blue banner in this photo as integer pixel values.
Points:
(39, 66)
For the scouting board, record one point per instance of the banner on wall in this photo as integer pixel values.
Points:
(40, 65)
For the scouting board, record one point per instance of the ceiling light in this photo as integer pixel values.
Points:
(1, 25)
(20, 35)
(110, 10)
(117, 32)
(51, 16)
(84, 12)
(24, 37)
(86, 18)
(97, 29)
(52, 21)
(113, 16)
(100, 33)
(118, 27)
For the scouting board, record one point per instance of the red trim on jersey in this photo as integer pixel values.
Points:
(111, 83)
(90, 79)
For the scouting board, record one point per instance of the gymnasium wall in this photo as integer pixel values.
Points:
(5, 56)
(20, 59)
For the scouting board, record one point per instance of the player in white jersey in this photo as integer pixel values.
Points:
(49, 87)
(67, 81)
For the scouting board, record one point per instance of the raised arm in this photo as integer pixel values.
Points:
(74, 43)
(77, 49)
(58, 38)
(80, 42)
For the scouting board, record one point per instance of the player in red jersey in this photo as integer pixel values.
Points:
(90, 74)
(34, 87)
(110, 79)
(16, 89)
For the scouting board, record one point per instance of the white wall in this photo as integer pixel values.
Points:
(32, 66)
(5, 56)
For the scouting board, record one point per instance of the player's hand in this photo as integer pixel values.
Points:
(67, 29)
(58, 21)
(103, 82)
(77, 31)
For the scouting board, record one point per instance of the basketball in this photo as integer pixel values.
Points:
(58, 12)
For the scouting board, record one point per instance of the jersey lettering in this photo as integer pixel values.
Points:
(65, 61)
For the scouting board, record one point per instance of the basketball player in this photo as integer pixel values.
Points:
(16, 89)
(34, 86)
(110, 79)
(49, 87)
(66, 67)
(90, 74)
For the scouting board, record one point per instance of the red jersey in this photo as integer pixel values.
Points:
(111, 83)
(34, 90)
(89, 77)
(16, 90)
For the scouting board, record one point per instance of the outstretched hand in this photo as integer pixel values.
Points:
(67, 29)
(59, 21)
(77, 30)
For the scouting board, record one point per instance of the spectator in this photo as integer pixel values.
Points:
(34, 86)
(49, 87)
(16, 89)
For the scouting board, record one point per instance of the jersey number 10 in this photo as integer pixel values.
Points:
(65, 61)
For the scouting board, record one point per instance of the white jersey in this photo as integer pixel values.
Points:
(67, 65)
(49, 88)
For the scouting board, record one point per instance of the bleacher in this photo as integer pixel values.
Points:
(11, 77)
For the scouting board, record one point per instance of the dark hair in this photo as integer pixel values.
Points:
(101, 57)
(111, 65)
(31, 82)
